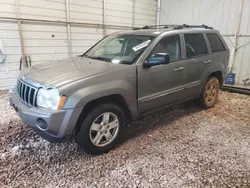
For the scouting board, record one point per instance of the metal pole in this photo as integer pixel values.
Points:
(158, 13)
(104, 17)
(133, 14)
(238, 24)
(68, 27)
(20, 33)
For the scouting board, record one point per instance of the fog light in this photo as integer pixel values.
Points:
(41, 123)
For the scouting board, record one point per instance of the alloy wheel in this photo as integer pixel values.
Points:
(211, 91)
(104, 129)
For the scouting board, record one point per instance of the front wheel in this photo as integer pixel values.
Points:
(210, 93)
(101, 129)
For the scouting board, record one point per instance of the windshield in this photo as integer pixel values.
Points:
(119, 48)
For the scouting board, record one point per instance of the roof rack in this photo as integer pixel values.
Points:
(192, 26)
(173, 26)
(154, 27)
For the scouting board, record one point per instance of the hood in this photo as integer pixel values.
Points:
(62, 72)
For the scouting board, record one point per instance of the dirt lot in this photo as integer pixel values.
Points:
(180, 147)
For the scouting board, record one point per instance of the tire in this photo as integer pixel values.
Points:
(102, 123)
(210, 93)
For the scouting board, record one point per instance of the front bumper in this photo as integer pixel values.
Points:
(58, 127)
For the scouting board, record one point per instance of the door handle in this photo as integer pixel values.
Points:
(178, 69)
(208, 61)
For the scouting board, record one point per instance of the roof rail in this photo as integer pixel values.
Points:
(192, 26)
(173, 26)
(154, 27)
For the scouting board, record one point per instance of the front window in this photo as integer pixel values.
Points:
(170, 45)
(120, 48)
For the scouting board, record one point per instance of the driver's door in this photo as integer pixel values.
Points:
(160, 85)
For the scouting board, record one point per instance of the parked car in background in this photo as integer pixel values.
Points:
(123, 77)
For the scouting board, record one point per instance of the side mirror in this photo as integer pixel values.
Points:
(157, 59)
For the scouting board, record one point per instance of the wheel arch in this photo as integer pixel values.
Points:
(117, 99)
(218, 75)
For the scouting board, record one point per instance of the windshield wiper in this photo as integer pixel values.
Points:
(106, 59)
(100, 58)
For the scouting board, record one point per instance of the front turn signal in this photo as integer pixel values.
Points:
(61, 102)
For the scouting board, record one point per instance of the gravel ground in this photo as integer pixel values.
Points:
(184, 146)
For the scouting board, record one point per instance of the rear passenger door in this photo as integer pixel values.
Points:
(196, 53)
(219, 56)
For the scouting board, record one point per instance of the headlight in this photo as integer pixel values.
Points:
(49, 98)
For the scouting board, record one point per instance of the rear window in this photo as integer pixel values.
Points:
(195, 45)
(215, 43)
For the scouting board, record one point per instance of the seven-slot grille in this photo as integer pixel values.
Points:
(26, 92)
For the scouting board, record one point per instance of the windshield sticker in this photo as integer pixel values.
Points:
(142, 45)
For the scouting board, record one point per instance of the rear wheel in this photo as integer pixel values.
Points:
(210, 93)
(101, 129)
